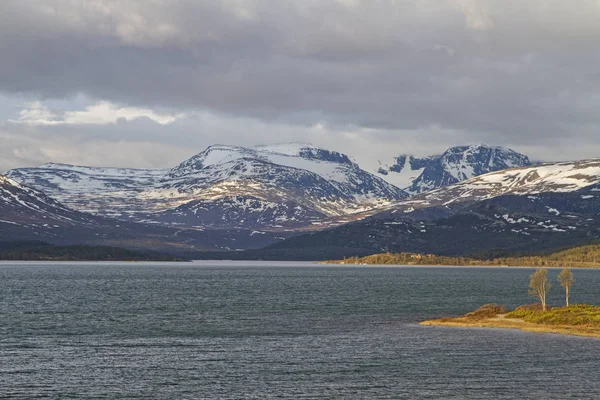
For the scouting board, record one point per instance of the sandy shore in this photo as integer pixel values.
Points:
(500, 321)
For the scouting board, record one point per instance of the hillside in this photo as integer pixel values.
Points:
(538, 208)
(21, 251)
(578, 257)
(562, 177)
(27, 214)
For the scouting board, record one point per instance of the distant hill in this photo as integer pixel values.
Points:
(39, 251)
(577, 257)
(27, 214)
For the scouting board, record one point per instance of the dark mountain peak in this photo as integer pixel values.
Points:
(306, 151)
(324, 155)
(455, 165)
(482, 153)
(463, 162)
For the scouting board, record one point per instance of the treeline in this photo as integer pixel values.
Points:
(577, 257)
(48, 252)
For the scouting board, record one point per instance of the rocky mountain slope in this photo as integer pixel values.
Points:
(419, 175)
(27, 214)
(559, 177)
(288, 186)
(232, 198)
(493, 225)
(21, 203)
(525, 209)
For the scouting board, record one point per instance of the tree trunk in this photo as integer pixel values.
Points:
(567, 295)
(543, 297)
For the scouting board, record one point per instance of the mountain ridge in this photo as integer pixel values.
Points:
(458, 163)
(284, 186)
(27, 214)
(537, 207)
(230, 198)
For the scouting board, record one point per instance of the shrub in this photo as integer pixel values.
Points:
(486, 311)
(581, 314)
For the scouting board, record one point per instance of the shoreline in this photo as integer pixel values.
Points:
(501, 322)
(475, 265)
(489, 266)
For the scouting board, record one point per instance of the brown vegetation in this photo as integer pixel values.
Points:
(579, 320)
(578, 257)
(539, 286)
(486, 311)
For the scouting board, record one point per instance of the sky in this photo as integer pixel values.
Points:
(149, 83)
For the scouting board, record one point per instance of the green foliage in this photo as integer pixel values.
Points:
(566, 278)
(526, 311)
(579, 315)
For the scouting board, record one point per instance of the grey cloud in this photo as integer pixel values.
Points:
(497, 71)
(145, 143)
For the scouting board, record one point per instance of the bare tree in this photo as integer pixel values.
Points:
(539, 285)
(566, 280)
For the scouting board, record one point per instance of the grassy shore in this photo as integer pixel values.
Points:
(577, 320)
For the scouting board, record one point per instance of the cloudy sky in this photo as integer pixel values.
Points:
(148, 83)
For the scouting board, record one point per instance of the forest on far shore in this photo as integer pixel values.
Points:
(40, 251)
(587, 256)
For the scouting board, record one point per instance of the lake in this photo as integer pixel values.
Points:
(279, 330)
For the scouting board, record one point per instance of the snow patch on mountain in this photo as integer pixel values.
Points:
(562, 177)
(404, 171)
(419, 175)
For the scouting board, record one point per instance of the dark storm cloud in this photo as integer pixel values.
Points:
(497, 71)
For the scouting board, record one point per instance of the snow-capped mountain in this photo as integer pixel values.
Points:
(559, 177)
(21, 203)
(233, 198)
(419, 175)
(28, 214)
(528, 209)
(286, 186)
(104, 191)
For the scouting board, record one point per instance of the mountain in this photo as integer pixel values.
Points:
(561, 177)
(27, 214)
(419, 175)
(305, 202)
(492, 225)
(528, 209)
(294, 186)
(26, 205)
(114, 192)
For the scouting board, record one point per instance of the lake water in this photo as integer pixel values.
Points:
(278, 330)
